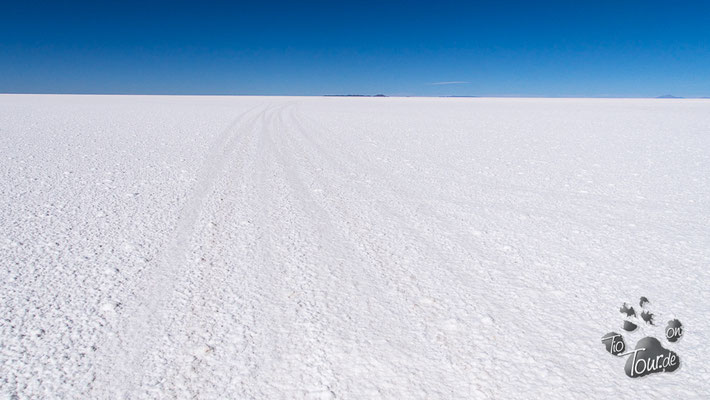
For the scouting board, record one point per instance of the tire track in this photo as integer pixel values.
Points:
(361, 272)
(405, 270)
(147, 317)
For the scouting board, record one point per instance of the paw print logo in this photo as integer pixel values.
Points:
(648, 356)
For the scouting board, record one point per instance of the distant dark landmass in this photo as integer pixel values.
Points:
(668, 96)
(354, 95)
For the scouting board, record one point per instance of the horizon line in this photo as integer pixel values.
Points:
(662, 97)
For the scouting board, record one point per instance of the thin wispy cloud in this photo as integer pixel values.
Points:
(450, 83)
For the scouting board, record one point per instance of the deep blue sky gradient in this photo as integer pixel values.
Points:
(515, 48)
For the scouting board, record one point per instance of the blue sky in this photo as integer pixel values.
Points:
(497, 48)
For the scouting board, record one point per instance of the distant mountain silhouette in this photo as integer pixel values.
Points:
(354, 95)
(668, 96)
